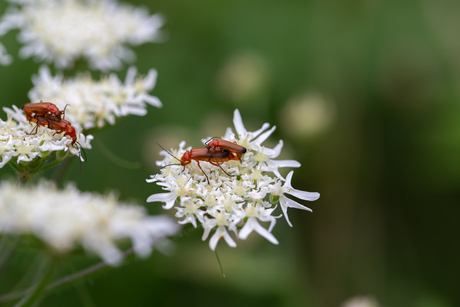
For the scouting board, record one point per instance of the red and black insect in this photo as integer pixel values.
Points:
(234, 150)
(43, 109)
(203, 154)
(59, 125)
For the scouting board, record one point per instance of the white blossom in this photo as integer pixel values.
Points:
(66, 219)
(5, 58)
(279, 191)
(361, 301)
(91, 103)
(63, 31)
(17, 143)
(241, 203)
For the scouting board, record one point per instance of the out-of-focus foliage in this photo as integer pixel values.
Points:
(384, 152)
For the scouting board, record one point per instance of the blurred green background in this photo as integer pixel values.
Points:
(365, 94)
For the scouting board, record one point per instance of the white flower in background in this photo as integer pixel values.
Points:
(307, 115)
(66, 219)
(240, 203)
(63, 31)
(93, 103)
(5, 58)
(361, 301)
(16, 142)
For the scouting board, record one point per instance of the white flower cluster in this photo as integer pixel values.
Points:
(15, 140)
(62, 31)
(5, 58)
(236, 203)
(92, 103)
(69, 218)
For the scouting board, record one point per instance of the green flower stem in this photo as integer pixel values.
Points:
(62, 170)
(115, 159)
(220, 264)
(48, 166)
(14, 166)
(6, 251)
(34, 163)
(85, 272)
(34, 293)
(65, 280)
(40, 163)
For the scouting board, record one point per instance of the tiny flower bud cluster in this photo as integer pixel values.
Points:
(237, 203)
(69, 218)
(63, 31)
(92, 103)
(16, 143)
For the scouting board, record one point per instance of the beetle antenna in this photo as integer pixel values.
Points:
(169, 153)
(84, 154)
(212, 138)
(63, 111)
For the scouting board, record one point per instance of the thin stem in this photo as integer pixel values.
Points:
(48, 166)
(7, 254)
(65, 280)
(14, 166)
(85, 272)
(34, 163)
(220, 264)
(35, 292)
(39, 166)
(61, 170)
(115, 159)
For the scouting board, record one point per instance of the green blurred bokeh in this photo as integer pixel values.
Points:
(365, 94)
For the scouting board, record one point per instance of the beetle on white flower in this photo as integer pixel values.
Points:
(15, 140)
(92, 103)
(240, 203)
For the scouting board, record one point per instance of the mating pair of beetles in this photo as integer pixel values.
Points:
(48, 115)
(217, 150)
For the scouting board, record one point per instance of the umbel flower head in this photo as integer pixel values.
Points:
(92, 103)
(18, 145)
(238, 203)
(63, 31)
(66, 219)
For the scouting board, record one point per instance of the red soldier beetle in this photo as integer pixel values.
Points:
(235, 150)
(54, 124)
(42, 109)
(59, 126)
(202, 154)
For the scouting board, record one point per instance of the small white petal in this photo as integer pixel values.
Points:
(221, 232)
(264, 136)
(252, 225)
(238, 122)
(151, 79)
(152, 100)
(130, 75)
(311, 196)
(168, 198)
